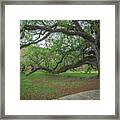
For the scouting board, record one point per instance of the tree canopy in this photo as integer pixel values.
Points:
(59, 45)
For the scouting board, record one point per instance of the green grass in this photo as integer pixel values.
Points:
(42, 86)
(78, 74)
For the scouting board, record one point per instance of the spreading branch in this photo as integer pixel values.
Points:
(87, 60)
(63, 30)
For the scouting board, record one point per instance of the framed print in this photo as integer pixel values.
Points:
(59, 59)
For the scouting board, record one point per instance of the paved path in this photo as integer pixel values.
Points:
(87, 95)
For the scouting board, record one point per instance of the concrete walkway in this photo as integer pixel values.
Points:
(87, 95)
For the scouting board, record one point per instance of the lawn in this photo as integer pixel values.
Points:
(43, 86)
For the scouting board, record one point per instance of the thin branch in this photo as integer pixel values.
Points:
(59, 62)
(35, 42)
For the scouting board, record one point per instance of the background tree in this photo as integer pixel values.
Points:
(68, 44)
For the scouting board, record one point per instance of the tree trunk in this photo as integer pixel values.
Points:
(98, 67)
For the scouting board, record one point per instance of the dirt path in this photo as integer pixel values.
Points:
(87, 95)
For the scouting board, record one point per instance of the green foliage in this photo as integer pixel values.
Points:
(58, 47)
(70, 47)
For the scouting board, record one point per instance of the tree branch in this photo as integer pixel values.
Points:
(34, 42)
(63, 30)
(59, 62)
(87, 60)
(39, 68)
